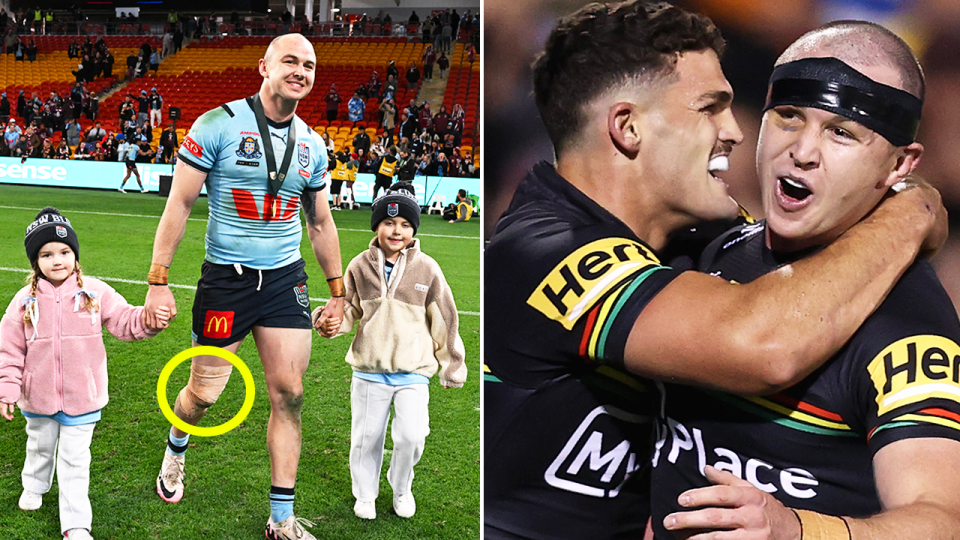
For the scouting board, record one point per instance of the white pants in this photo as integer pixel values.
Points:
(370, 406)
(155, 119)
(71, 461)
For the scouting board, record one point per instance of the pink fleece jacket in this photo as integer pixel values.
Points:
(63, 368)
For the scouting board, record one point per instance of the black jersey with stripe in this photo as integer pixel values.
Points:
(568, 432)
(812, 445)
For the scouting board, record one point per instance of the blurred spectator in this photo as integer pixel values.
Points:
(155, 61)
(47, 150)
(392, 70)
(155, 106)
(31, 50)
(355, 108)
(12, 133)
(440, 121)
(373, 86)
(333, 100)
(73, 50)
(96, 133)
(132, 65)
(177, 40)
(9, 40)
(413, 75)
(361, 141)
(443, 63)
(426, 117)
(62, 151)
(328, 143)
(414, 18)
(429, 59)
(389, 110)
(108, 61)
(167, 49)
(4, 109)
(72, 132)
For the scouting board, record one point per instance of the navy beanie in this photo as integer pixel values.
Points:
(400, 199)
(50, 226)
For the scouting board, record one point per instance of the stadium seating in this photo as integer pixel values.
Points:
(210, 72)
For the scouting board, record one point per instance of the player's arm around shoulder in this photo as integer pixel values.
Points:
(764, 336)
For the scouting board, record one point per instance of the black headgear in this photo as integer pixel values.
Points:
(399, 199)
(49, 226)
(834, 86)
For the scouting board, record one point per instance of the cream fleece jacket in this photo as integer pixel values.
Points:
(408, 325)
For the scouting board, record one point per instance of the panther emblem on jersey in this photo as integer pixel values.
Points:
(303, 154)
(249, 148)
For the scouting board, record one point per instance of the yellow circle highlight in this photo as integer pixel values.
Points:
(205, 351)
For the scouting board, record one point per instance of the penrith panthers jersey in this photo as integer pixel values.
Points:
(568, 433)
(812, 445)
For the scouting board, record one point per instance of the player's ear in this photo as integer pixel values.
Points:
(623, 126)
(907, 162)
(262, 66)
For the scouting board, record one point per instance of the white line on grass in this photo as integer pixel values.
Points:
(204, 220)
(177, 286)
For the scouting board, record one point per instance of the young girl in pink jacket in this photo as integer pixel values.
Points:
(54, 367)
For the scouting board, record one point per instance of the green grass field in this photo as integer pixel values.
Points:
(228, 476)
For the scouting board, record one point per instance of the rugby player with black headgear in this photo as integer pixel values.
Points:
(867, 447)
(578, 304)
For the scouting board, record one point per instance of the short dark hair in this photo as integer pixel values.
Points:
(605, 45)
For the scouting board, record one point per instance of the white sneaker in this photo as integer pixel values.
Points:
(30, 500)
(77, 534)
(289, 529)
(170, 480)
(365, 509)
(144, 190)
(404, 505)
(121, 190)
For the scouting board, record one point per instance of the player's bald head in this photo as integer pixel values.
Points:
(287, 42)
(860, 43)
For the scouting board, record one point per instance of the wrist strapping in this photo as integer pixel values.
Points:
(336, 287)
(158, 274)
(815, 526)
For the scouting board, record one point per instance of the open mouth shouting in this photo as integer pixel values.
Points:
(793, 193)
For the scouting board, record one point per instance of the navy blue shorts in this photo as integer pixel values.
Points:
(228, 304)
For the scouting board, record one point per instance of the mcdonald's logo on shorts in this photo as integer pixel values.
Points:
(218, 324)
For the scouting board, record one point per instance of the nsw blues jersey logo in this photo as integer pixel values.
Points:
(303, 154)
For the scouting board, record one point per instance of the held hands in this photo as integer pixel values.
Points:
(324, 324)
(7, 410)
(734, 506)
(158, 296)
(161, 319)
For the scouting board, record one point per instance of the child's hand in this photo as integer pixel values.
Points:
(325, 327)
(329, 328)
(162, 318)
(7, 410)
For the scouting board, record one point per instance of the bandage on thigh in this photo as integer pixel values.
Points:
(203, 389)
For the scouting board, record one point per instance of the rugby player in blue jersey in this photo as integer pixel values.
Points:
(261, 164)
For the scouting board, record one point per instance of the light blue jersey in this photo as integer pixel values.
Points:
(226, 144)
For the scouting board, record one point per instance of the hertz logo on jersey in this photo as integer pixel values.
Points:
(914, 369)
(586, 275)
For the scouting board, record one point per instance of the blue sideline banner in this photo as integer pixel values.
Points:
(108, 174)
(78, 173)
